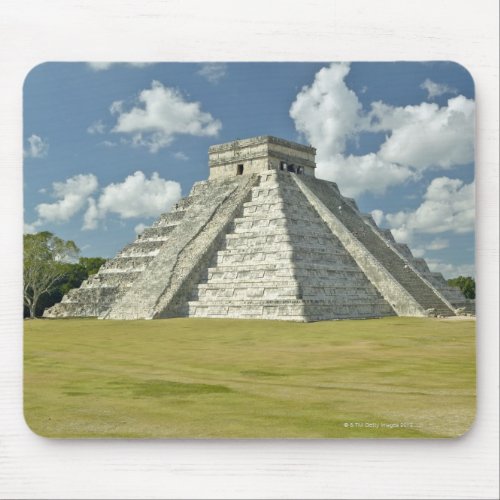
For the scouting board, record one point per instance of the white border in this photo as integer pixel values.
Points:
(352, 30)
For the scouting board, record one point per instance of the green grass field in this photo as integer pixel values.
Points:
(392, 377)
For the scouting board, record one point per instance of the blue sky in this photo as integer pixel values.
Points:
(110, 146)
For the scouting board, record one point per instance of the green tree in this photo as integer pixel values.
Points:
(466, 284)
(74, 274)
(91, 264)
(45, 259)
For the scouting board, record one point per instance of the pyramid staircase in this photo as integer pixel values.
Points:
(281, 261)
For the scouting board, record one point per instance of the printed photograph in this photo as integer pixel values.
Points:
(249, 250)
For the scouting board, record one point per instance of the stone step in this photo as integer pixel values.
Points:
(285, 249)
(283, 283)
(296, 217)
(278, 291)
(329, 301)
(296, 213)
(277, 278)
(291, 310)
(141, 248)
(288, 232)
(266, 192)
(344, 262)
(277, 210)
(127, 262)
(119, 270)
(118, 278)
(280, 235)
(168, 218)
(258, 258)
(135, 253)
(157, 232)
(277, 203)
(304, 272)
(282, 227)
(248, 224)
(313, 267)
(263, 243)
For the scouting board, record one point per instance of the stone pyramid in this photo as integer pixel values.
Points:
(263, 238)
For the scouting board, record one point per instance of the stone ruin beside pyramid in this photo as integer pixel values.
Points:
(263, 238)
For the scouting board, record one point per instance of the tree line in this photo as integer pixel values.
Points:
(52, 267)
(466, 284)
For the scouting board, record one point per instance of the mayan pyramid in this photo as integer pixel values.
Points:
(263, 238)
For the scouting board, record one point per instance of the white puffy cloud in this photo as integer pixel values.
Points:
(91, 215)
(213, 72)
(436, 89)
(105, 65)
(96, 128)
(448, 205)
(417, 251)
(139, 228)
(154, 142)
(449, 270)
(378, 216)
(71, 197)
(426, 135)
(435, 245)
(37, 147)
(357, 174)
(116, 107)
(162, 113)
(438, 244)
(29, 228)
(139, 64)
(136, 196)
(179, 155)
(99, 66)
(328, 114)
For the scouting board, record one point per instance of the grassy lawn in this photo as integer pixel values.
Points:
(392, 377)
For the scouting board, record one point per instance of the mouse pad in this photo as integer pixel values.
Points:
(249, 250)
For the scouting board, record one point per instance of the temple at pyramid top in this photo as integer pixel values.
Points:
(258, 154)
